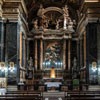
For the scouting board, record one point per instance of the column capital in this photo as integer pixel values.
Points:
(1, 1)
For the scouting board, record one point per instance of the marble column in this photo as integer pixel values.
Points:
(1, 42)
(81, 52)
(98, 43)
(27, 51)
(36, 55)
(65, 23)
(1, 3)
(84, 49)
(24, 49)
(64, 54)
(41, 53)
(69, 53)
(20, 49)
(98, 50)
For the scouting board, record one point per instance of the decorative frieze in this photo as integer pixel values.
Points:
(14, 9)
(16, 3)
(11, 10)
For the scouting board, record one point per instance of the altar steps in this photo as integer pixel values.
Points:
(53, 98)
(53, 94)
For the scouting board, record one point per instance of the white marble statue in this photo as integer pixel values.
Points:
(65, 15)
(65, 11)
(70, 26)
(41, 11)
(74, 62)
(30, 62)
(57, 24)
(35, 24)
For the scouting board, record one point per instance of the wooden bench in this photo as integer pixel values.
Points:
(20, 98)
(83, 95)
(23, 92)
(20, 95)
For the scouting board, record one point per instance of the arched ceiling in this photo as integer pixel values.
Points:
(33, 6)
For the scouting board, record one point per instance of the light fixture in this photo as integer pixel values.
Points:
(52, 73)
(3, 67)
(94, 66)
(11, 67)
(94, 69)
(43, 63)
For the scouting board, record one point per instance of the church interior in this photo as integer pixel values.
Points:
(49, 49)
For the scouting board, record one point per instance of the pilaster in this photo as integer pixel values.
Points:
(41, 53)
(36, 55)
(69, 54)
(1, 11)
(64, 54)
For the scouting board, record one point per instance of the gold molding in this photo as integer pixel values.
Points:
(92, 1)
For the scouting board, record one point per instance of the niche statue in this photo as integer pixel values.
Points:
(30, 63)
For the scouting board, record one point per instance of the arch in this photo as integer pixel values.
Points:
(51, 9)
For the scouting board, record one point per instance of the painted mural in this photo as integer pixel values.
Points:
(52, 54)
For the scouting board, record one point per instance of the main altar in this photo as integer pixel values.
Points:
(52, 38)
(52, 32)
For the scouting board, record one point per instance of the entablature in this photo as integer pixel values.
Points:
(14, 3)
(89, 13)
(53, 34)
(15, 11)
(14, 8)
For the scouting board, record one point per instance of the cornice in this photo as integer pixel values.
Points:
(18, 1)
(1, 1)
